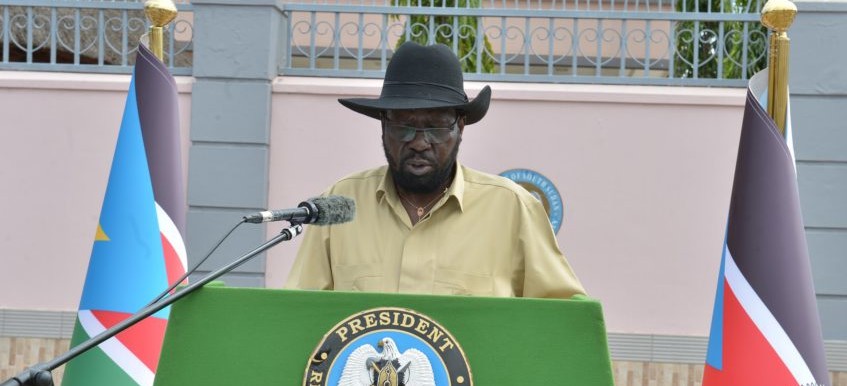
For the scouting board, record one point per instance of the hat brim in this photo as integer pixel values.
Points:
(374, 107)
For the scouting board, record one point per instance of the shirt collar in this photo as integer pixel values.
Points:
(386, 186)
(386, 191)
(457, 188)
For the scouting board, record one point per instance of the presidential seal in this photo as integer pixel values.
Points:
(543, 189)
(388, 347)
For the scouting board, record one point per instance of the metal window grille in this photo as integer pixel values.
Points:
(655, 42)
(85, 36)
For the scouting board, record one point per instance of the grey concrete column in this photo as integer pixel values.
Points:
(818, 84)
(237, 53)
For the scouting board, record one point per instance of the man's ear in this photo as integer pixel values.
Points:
(461, 124)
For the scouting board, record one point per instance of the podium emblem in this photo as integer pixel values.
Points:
(388, 347)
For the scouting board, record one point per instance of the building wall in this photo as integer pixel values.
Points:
(644, 172)
(818, 84)
(57, 140)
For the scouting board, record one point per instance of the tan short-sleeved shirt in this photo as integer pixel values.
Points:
(487, 236)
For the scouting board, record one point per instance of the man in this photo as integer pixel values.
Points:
(425, 223)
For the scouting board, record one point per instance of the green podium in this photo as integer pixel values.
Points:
(239, 336)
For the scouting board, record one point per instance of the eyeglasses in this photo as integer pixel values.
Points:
(434, 135)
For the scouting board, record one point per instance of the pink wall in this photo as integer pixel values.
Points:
(56, 142)
(645, 173)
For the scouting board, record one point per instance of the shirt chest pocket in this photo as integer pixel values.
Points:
(364, 277)
(453, 282)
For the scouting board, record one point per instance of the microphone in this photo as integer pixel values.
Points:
(318, 211)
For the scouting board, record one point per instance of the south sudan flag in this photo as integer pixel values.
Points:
(765, 327)
(138, 247)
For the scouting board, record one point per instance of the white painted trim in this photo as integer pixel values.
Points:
(588, 93)
(41, 80)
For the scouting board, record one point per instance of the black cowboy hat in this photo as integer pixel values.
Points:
(423, 77)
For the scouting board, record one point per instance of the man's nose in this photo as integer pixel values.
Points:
(419, 142)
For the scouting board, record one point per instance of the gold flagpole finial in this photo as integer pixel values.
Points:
(778, 15)
(160, 13)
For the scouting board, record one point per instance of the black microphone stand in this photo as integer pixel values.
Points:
(40, 375)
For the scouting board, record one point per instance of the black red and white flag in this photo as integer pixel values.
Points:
(765, 326)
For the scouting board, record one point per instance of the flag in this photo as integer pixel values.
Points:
(765, 325)
(138, 246)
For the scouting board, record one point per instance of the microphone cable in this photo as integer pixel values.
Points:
(194, 268)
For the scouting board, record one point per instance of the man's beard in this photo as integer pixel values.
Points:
(426, 183)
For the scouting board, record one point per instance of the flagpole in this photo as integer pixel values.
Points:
(160, 13)
(778, 15)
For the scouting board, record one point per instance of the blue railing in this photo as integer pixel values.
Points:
(84, 36)
(579, 41)
(654, 42)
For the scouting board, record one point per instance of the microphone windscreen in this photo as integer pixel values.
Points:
(334, 210)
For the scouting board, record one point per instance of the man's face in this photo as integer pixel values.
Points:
(421, 161)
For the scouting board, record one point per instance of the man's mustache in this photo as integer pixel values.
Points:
(415, 155)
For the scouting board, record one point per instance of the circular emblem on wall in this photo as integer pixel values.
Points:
(388, 347)
(543, 189)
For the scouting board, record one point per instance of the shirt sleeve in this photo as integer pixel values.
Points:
(311, 269)
(547, 273)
